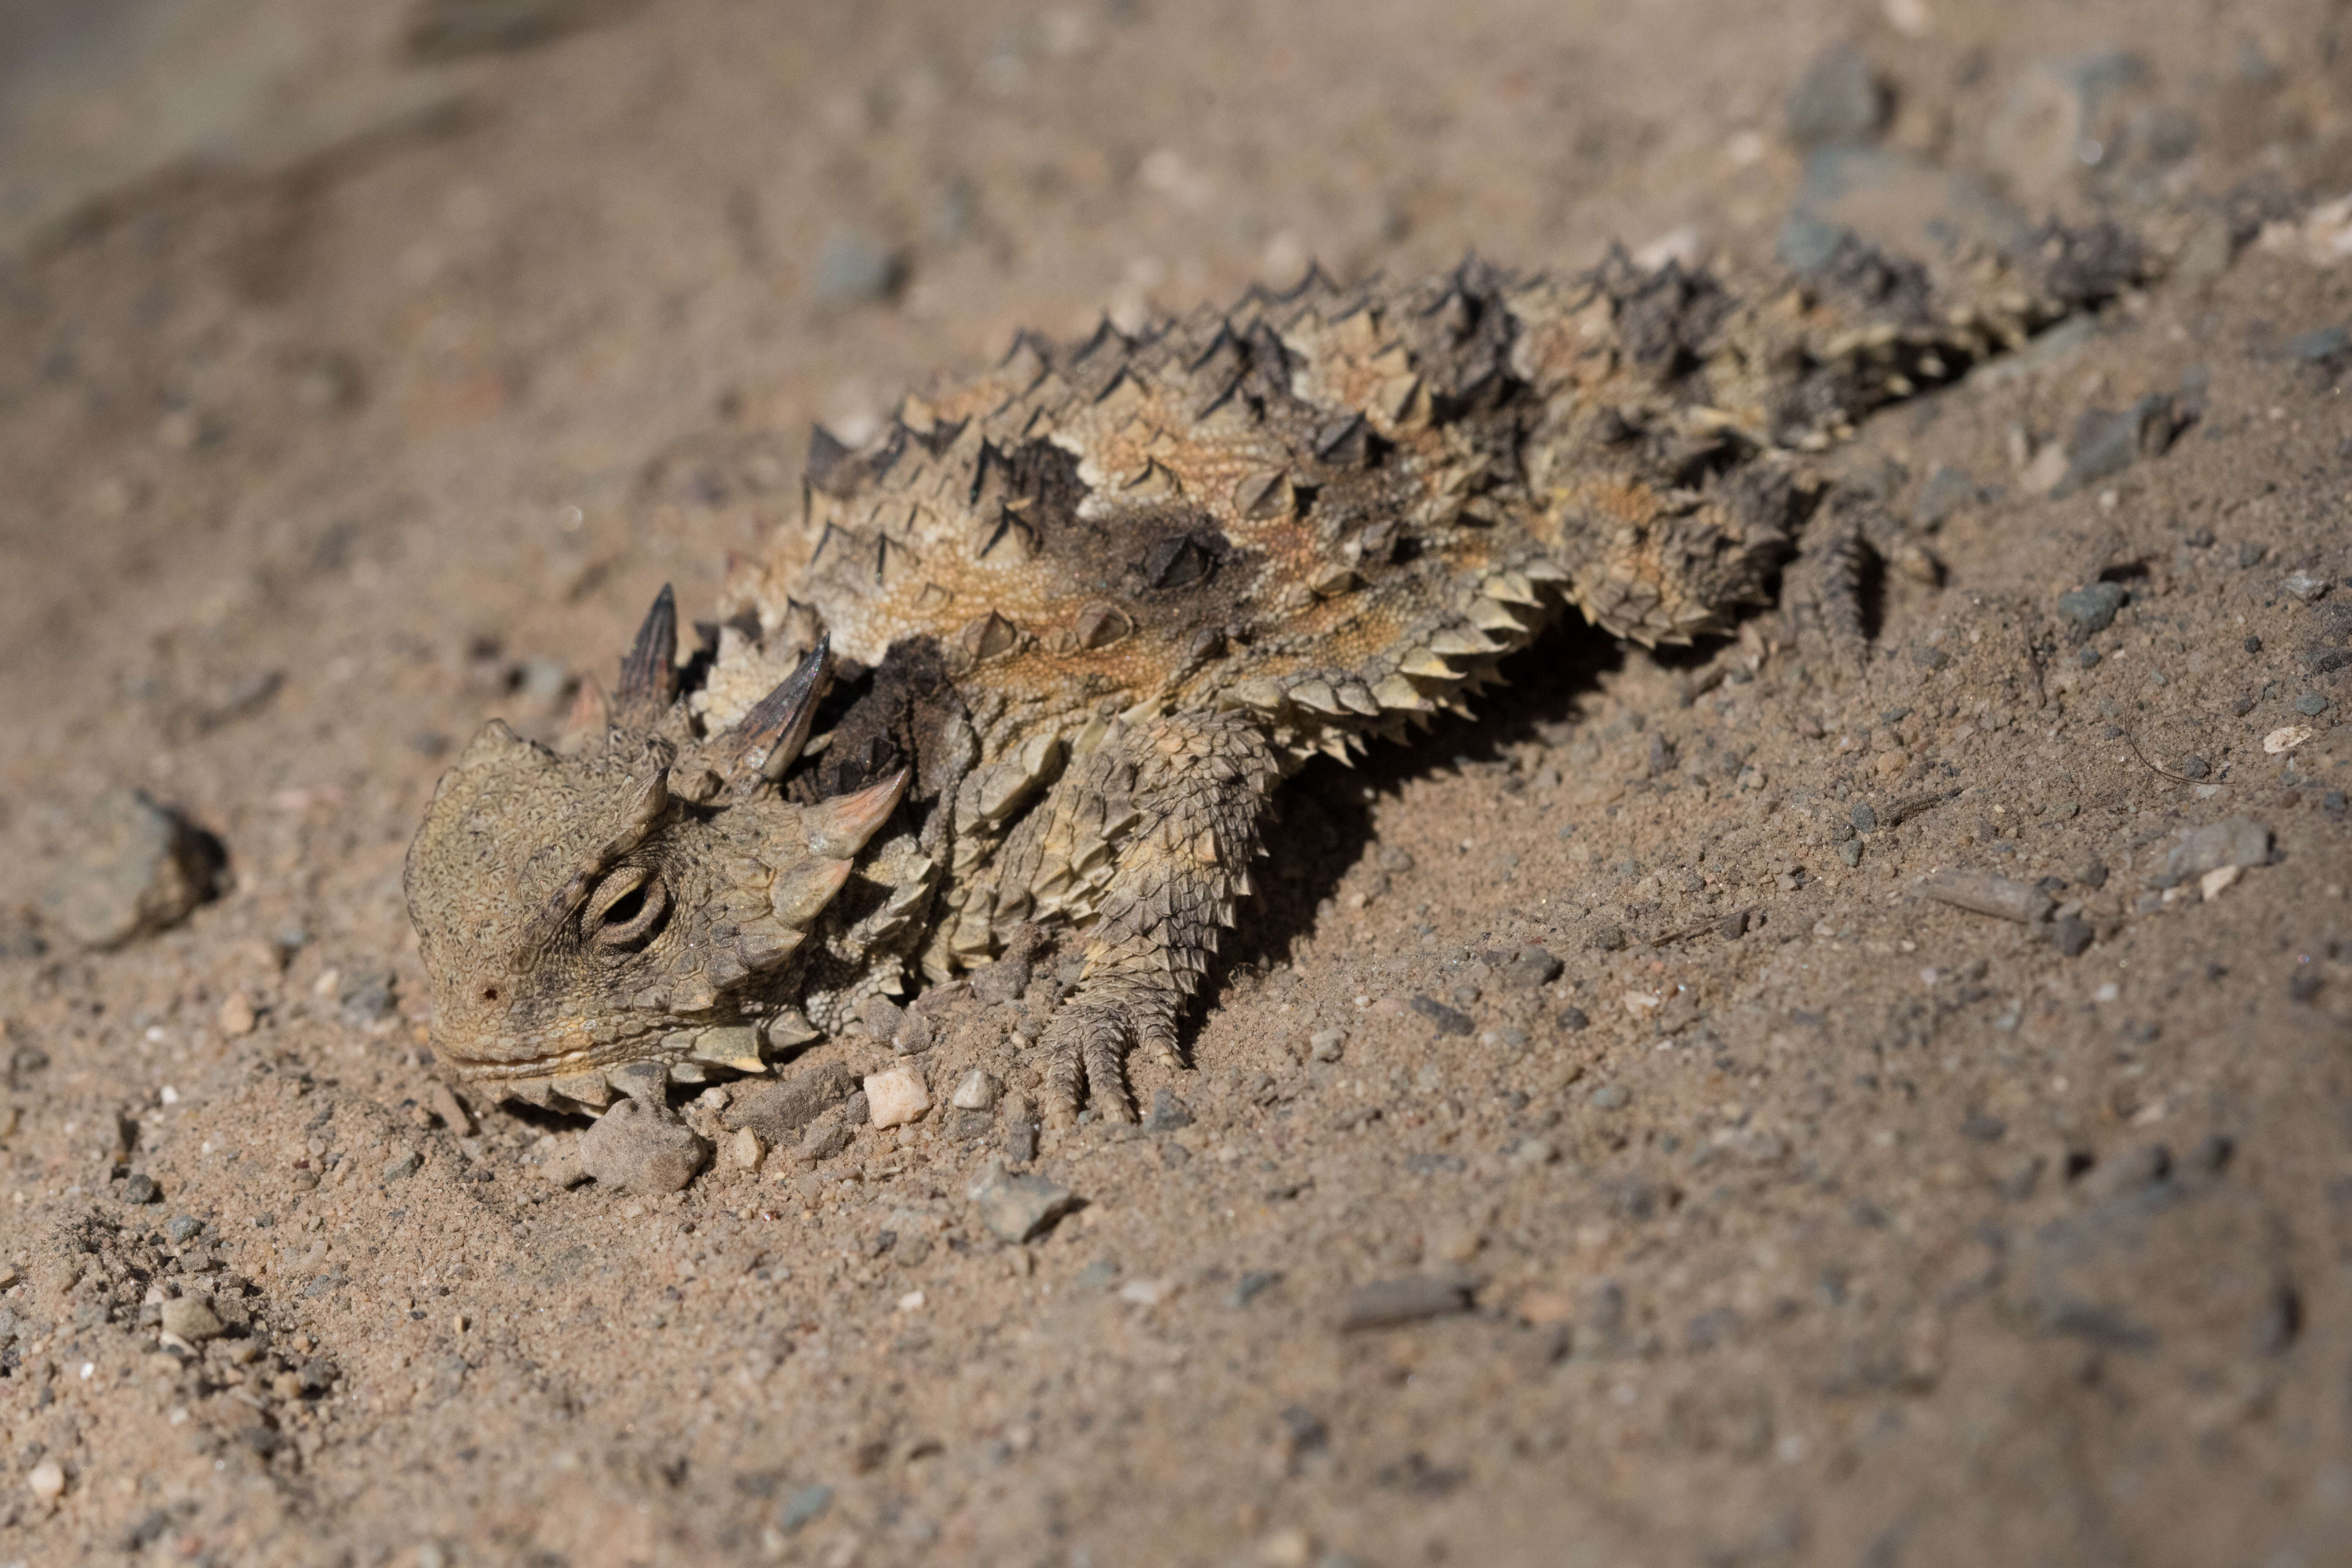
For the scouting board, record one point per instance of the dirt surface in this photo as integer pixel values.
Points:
(1803, 1215)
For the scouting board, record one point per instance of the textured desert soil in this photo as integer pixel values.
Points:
(1799, 1217)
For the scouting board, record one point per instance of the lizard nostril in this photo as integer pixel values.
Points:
(489, 993)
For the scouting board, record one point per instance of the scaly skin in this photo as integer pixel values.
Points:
(1100, 600)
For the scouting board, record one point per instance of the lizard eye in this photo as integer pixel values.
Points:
(628, 911)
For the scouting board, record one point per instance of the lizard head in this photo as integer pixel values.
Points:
(634, 903)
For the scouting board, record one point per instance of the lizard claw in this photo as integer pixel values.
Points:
(1087, 1047)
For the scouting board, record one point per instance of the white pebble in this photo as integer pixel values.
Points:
(2211, 884)
(895, 1096)
(744, 1149)
(48, 1481)
(2285, 738)
(973, 1092)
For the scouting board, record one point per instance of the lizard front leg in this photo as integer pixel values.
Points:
(1143, 846)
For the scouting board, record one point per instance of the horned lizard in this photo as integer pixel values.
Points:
(1085, 611)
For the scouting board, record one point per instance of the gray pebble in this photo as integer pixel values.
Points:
(2093, 609)
(1610, 939)
(1387, 1303)
(1947, 491)
(1021, 1142)
(1018, 1208)
(1574, 1019)
(854, 269)
(1851, 851)
(2311, 704)
(366, 996)
(802, 1507)
(1978, 1127)
(192, 1318)
(138, 868)
(2107, 442)
(1863, 816)
(181, 1227)
(777, 1112)
(1168, 1113)
(828, 1135)
(1983, 894)
(1534, 968)
(1839, 101)
(640, 1148)
(1448, 1020)
(2320, 343)
(403, 1164)
(1252, 1284)
(1612, 1096)
(2073, 935)
(2087, 656)
(2306, 587)
(1327, 1045)
(2232, 841)
(881, 1016)
(2193, 766)
(141, 1188)
(1392, 859)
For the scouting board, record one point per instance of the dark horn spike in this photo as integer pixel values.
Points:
(650, 672)
(771, 735)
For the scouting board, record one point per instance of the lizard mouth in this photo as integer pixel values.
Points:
(587, 1078)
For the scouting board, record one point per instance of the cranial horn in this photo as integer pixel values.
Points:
(839, 828)
(591, 716)
(650, 672)
(771, 735)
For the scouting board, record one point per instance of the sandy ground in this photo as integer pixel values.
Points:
(1800, 1217)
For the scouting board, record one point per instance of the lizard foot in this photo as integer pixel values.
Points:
(1085, 1055)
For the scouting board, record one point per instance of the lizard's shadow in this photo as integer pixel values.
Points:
(1323, 817)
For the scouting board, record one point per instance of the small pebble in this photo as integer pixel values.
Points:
(802, 1507)
(1327, 1045)
(237, 1017)
(1610, 939)
(1388, 1303)
(1839, 101)
(180, 1227)
(2072, 934)
(2086, 657)
(640, 1149)
(2092, 609)
(48, 1481)
(1612, 1096)
(138, 868)
(2285, 738)
(777, 1112)
(1984, 894)
(745, 1150)
(141, 1188)
(895, 1097)
(1018, 1208)
(1449, 1021)
(2306, 587)
(2254, 645)
(974, 1091)
(1573, 1019)
(1168, 1113)
(1534, 968)
(853, 267)
(2311, 704)
(405, 1163)
(192, 1318)
(2232, 841)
